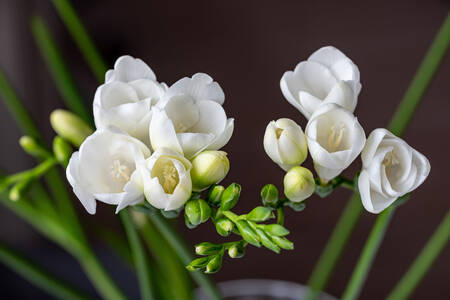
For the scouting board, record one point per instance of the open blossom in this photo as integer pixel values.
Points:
(391, 169)
(285, 143)
(328, 76)
(104, 169)
(335, 139)
(191, 118)
(166, 180)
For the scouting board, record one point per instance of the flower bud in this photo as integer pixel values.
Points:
(70, 126)
(224, 226)
(31, 146)
(196, 212)
(230, 196)
(198, 264)
(207, 248)
(215, 195)
(269, 196)
(285, 143)
(247, 233)
(298, 184)
(214, 264)
(208, 167)
(62, 150)
(236, 251)
(259, 214)
(19, 189)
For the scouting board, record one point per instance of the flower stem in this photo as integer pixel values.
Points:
(280, 215)
(368, 254)
(81, 37)
(423, 262)
(184, 254)
(399, 121)
(335, 246)
(37, 275)
(139, 256)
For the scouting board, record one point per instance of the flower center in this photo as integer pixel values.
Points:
(120, 172)
(278, 132)
(180, 127)
(391, 159)
(169, 178)
(335, 136)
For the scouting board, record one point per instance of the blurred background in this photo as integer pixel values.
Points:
(246, 46)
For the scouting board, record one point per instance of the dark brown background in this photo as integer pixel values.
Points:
(246, 46)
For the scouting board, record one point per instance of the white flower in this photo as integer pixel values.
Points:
(127, 106)
(192, 118)
(391, 169)
(285, 143)
(128, 68)
(166, 179)
(335, 139)
(104, 169)
(328, 76)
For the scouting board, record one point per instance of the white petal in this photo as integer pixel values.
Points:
(154, 193)
(162, 132)
(212, 118)
(309, 103)
(343, 95)
(271, 143)
(127, 69)
(193, 143)
(372, 143)
(223, 138)
(146, 88)
(200, 87)
(86, 198)
(183, 111)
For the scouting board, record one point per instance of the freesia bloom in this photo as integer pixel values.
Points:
(128, 68)
(166, 179)
(285, 143)
(104, 169)
(192, 114)
(335, 139)
(328, 76)
(391, 169)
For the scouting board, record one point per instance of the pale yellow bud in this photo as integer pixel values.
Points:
(70, 126)
(209, 167)
(298, 184)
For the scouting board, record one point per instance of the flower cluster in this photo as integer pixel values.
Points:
(151, 141)
(325, 90)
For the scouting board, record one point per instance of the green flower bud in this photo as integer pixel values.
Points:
(224, 226)
(19, 189)
(32, 147)
(236, 251)
(207, 248)
(269, 196)
(198, 264)
(214, 264)
(62, 150)
(276, 229)
(298, 184)
(283, 243)
(215, 195)
(230, 196)
(247, 233)
(208, 167)
(259, 214)
(266, 241)
(70, 126)
(196, 212)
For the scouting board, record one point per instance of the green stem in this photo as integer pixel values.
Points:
(58, 68)
(34, 173)
(280, 215)
(423, 262)
(81, 37)
(335, 246)
(139, 256)
(37, 275)
(368, 255)
(184, 254)
(398, 123)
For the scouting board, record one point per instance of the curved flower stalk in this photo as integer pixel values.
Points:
(328, 76)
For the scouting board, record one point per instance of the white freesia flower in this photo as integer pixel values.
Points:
(285, 143)
(192, 118)
(335, 139)
(391, 169)
(328, 76)
(104, 169)
(166, 179)
(128, 68)
(127, 106)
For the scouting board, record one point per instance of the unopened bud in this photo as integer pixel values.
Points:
(236, 251)
(224, 226)
(207, 248)
(214, 264)
(19, 189)
(215, 195)
(209, 167)
(230, 196)
(62, 150)
(70, 126)
(196, 212)
(269, 196)
(298, 184)
(32, 147)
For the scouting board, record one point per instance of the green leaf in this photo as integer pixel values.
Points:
(259, 214)
(296, 206)
(171, 214)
